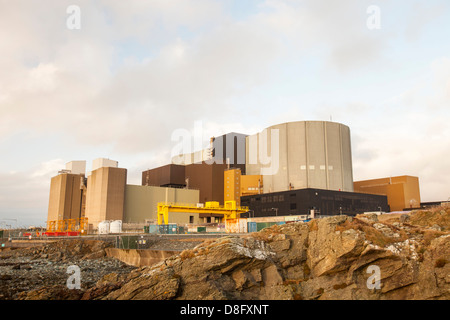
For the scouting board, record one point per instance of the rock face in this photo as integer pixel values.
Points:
(338, 257)
(331, 258)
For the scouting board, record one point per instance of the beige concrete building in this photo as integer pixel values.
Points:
(105, 195)
(103, 162)
(141, 203)
(302, 154)
(66, 197)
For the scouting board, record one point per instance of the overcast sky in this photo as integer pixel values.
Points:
(137, 70)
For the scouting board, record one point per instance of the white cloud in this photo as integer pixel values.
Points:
(136, 71)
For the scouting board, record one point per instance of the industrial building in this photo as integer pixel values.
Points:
(402, 192)
(141, 204)
(237, 185)
(303, 154)
(68, 192)
(289, 170)
(67, 196)
(226, 149)
(105, 196)
(313, 202)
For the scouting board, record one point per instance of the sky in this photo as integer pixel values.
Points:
(117, 78)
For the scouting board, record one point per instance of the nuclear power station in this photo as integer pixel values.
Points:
(287, 172)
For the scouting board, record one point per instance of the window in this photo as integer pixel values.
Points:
(191, 219)
(293, 206)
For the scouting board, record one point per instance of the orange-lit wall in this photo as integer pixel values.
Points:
(232, 185)
(402, 191)
(237, 185)
(251, 185)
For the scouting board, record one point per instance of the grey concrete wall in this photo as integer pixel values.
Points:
(311, 154)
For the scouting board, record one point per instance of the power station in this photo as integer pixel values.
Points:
(287, 172)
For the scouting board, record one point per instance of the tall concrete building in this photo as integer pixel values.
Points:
(67, 194)
(105, 195)
(302, 154)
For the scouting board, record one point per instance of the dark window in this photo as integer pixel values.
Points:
(275, 198)
(191, 219)
(293, 206)
(281, 198)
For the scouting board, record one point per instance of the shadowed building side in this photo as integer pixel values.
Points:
(66, 197)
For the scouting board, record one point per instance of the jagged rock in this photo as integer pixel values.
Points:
(436, 227)
(329, 258)
(404, 218)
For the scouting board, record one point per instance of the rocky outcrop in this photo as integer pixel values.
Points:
(330, 258)
(339, 257)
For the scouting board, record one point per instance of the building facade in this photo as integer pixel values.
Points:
(237, 185)
(105, 195)
(141, 204)
(302, 154)
(322, 202)
(402, 192)
(67, 197)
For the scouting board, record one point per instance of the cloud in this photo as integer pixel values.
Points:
(136, 71)
(415, 143)
(24, 195)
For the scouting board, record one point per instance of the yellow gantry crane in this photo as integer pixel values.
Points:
(229, 210)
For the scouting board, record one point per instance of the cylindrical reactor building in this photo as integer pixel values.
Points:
(301, 154)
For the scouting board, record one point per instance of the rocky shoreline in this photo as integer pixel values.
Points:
(336, 258)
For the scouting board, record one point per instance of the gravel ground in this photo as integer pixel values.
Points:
(24, 273)
(26, 269)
